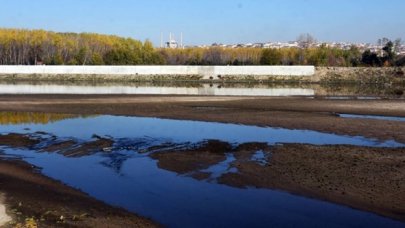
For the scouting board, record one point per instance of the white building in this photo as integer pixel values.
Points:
(172, 42)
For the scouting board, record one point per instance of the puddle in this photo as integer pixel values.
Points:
(391, 118)
(351, 98)
(221, 168)
(114, 161)
(260, 157)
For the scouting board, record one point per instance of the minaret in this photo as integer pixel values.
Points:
(161, 40)
(181, 40)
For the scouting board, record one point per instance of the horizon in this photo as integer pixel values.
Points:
(262, 21)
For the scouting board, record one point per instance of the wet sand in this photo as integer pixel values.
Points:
(370, 179)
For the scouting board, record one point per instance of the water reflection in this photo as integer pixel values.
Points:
(102, 129)
(13, 118)
(202, 89)
(376, 117)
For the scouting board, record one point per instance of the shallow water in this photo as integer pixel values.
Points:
(390, 118)
(201, 90)
(349, 91)
(126, 176)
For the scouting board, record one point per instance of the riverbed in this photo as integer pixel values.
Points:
(118, 160)
(201, 160)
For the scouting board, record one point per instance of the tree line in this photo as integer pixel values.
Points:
(32, 47)
(322, 56)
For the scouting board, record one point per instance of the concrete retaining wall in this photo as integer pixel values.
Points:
(205, 72)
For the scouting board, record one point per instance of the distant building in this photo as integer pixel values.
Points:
(172, 42)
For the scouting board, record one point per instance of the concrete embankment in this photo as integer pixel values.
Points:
(307, 74)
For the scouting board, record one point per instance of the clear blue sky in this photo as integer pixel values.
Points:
(208, 21)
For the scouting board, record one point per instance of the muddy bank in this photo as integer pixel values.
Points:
(365, 178)
(33, 199)
(291, 113)
(371, 179)
(192, 158)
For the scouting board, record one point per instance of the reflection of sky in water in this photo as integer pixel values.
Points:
(221, 168)
(391, 118)
(184, 131)
(179, 201)
(259, 157)
(203, 90)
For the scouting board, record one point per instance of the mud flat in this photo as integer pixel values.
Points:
(33, 199)
(371, 179)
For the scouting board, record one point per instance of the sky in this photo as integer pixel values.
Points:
(209, 21)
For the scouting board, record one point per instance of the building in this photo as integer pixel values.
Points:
(172, 42)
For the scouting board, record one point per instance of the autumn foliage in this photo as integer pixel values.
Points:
(32, 47)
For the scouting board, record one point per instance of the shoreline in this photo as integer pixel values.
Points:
(32, 198)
